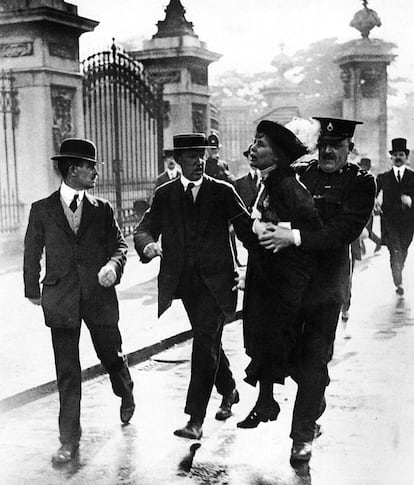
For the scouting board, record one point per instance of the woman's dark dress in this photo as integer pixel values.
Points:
(275, 282)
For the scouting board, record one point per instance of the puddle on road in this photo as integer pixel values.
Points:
(390, 320)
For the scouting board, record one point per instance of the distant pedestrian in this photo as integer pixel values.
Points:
(248, 185)
(192, 215)
(171, 169)
(396, 189)
(85, 254)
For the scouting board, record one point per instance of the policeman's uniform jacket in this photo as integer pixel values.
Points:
(73, 260)
(344, 200)
(219, 206)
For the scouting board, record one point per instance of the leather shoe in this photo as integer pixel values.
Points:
(260, 414)
(127, 408)
(399, 290)
(301, 451)
(192, 430)
(224, 411)
(65, 453)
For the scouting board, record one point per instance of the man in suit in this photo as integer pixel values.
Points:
(248, 185)
(171, 169)
(396, 188)
(344, 195)
(85, 254)
(192, 216)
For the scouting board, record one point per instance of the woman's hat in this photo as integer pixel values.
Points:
(190, 141)
(399, 145)
(77, 148)
(283, 138)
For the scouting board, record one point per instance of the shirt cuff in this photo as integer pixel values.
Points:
(296, 237)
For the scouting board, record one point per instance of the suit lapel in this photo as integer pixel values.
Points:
(206, 203)
(175, 201)
(56, 212)
(88, 210)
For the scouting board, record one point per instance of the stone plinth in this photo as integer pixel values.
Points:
(39, 44)
(363, 64)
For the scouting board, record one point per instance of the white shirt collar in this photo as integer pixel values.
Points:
(265, 173)
(172, 173)
(254, 172)
(185, 182)
(399, 169)
(67, 193)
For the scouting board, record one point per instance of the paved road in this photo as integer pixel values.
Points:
(368, 426)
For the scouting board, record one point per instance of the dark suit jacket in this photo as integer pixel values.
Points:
(247, 189)
(162, 179)
(220, 205)
(73, 261)
(393, 212)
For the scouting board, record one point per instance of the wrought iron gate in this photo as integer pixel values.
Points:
(10, 207)
(124, 118)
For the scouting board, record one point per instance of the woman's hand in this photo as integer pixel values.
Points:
(276, 238)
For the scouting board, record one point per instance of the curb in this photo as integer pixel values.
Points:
(136, 357)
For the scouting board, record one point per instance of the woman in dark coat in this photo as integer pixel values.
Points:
(275, 282)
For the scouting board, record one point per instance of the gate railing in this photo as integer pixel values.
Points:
(124, 118)
(10, 206)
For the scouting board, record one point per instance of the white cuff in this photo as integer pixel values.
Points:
(296, 237)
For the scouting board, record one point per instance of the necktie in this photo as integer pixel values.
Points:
(74, 204)
(398, 176)
(189, 193)
(255, 179)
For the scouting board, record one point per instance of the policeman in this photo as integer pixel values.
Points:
(344, 195)
(215, 167)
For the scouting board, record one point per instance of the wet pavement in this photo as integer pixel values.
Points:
(368, 426)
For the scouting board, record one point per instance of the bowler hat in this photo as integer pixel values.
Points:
(168, 152)
(214, 141)
(283, 138)
(334, 130)
(365, 163)
(399, 145)
(190, 141)
(77, 149)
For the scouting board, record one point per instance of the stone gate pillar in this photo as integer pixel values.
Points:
(39, 44)
(363, 64)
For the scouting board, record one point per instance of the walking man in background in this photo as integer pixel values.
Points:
(396, 189)
(248, 185)
(85, 255)
(192, 215)
(171, 169)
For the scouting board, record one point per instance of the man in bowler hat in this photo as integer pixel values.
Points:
(396, 188)
(344, 196)
(85, 254)
(192, 216)
(171, 169)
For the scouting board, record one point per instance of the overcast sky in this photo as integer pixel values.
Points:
(248, 33)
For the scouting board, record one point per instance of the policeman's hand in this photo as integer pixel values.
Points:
(240, 279)
(276, 238)
(406, 200)
(152, 250)
(35, 301)
(107, 275)
(377, 208)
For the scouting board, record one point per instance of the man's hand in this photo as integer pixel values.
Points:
(107, 275)
(35, 301)
(406, 200)
(152, 250)
(276, 238)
